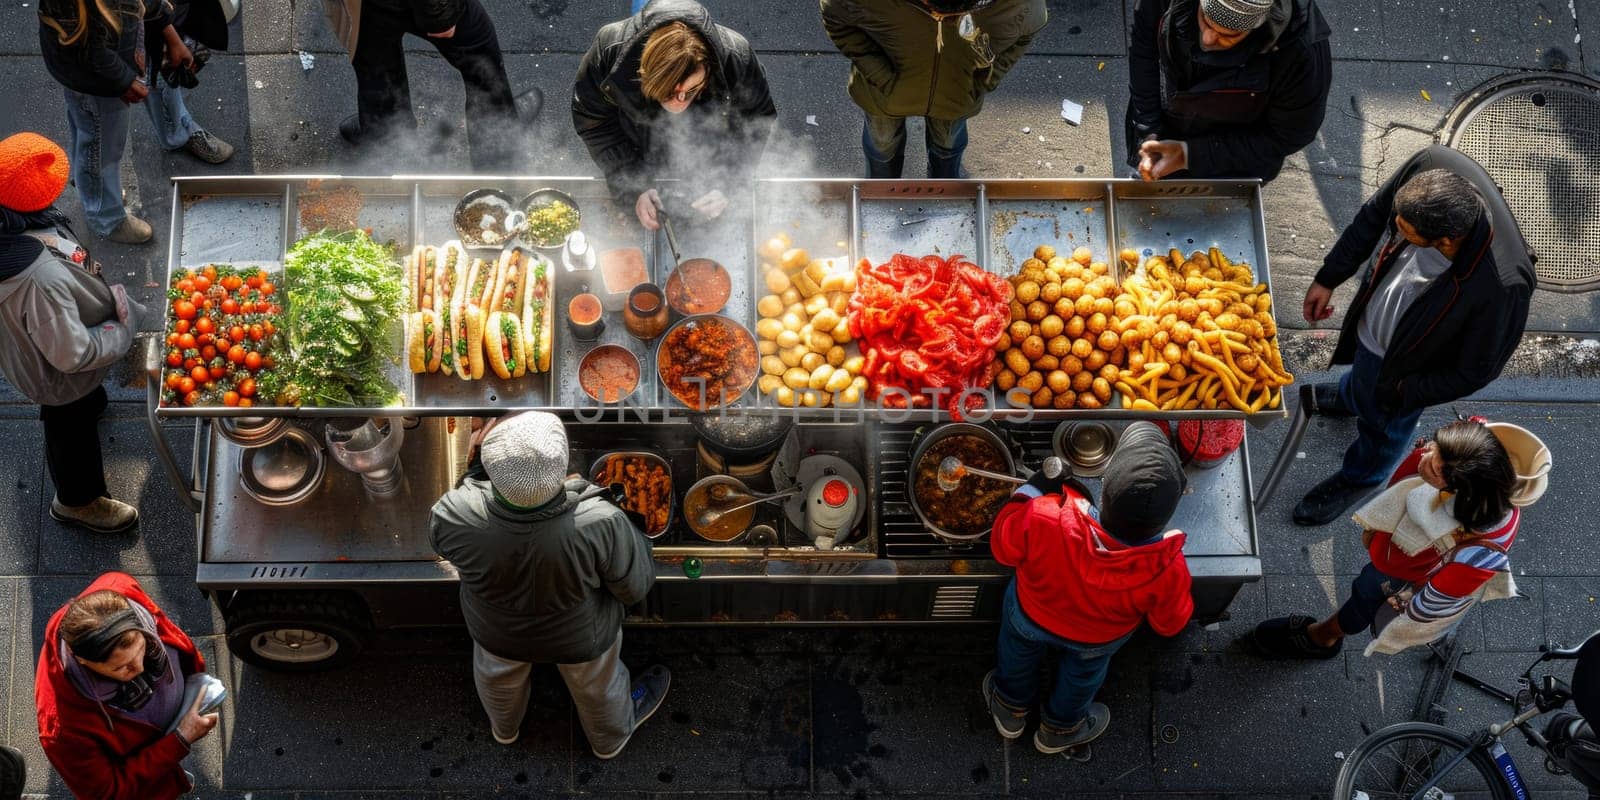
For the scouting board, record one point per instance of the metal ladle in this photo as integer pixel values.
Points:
(708, 516)
(951, 471)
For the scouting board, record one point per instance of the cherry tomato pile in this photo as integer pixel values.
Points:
(221, 329)
(927, 323)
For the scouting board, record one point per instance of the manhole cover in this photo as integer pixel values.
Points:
(1538, 136)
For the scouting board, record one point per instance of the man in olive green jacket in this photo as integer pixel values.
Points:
(926, 58)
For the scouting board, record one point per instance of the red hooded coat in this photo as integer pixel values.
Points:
(1080, 583)
(100, 753)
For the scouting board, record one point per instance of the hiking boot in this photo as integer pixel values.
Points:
(1325, 401)
(131, 230)
(1051, 740)
(1290, 638)
(1007, 720)
(649, 691)
(208, 148)
(1327, 500)
(104, 515)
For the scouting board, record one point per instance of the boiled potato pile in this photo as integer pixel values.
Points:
(1062, 346)
(807, 358)
(1199, 334)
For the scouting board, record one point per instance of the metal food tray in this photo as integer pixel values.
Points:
(672, 490)
(997, 223)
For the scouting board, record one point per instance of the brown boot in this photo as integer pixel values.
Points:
(132, 230)
(104, 515)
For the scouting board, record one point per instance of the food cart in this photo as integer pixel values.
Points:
(307, 561)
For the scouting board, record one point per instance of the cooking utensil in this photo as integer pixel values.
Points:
(371, 450)
(741, 437)
(951, 471)
(284, 472)
(709, 298)
(729, 527)
(503, 224)
(708, 516)
(672, 243)
(1085, 446)
(814, 472)
(921, 446)
(690, 391)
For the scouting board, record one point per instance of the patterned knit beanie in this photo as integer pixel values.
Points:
(1237, 15)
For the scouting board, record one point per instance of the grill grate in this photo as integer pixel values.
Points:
(1541, 143)
(903, 534)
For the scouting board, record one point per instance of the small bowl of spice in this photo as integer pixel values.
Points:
(487, 218)
(552, 216)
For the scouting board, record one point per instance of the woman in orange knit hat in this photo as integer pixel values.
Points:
(96, 50)
(61, 328)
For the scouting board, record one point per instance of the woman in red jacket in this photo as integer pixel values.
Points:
(1085, 580)
(109, 684)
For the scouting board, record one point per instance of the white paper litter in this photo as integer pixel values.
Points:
(1026, 129)
(811, 119)
(1071, 112)
(260, 85)
(307, 61)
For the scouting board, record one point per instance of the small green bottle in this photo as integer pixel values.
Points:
(692, 567)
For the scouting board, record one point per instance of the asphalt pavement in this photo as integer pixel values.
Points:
(863, 713)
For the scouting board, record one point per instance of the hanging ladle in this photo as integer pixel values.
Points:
(708, 516)
(951, 471)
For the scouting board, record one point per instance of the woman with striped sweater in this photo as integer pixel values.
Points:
(1439, 540)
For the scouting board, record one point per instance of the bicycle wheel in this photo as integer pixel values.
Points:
(1394, 763)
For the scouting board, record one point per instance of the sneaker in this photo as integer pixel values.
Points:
(1327, 500)
(1051, 740)
(208, 148)
(1289, 638)
(131, 230)
(649, 691)
(13, 772)
(104, 515)
(512, 740)
(1006, 720)
(1325, 400)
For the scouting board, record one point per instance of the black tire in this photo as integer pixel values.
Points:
(290, 631)
(1394, 755)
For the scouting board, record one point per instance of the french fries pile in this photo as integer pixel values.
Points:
(1199, 334)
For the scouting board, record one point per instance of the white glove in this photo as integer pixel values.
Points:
(711, 204)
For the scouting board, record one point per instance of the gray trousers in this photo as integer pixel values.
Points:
(600, 690)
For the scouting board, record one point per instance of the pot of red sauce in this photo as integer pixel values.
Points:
(699, 286)
(609, 373)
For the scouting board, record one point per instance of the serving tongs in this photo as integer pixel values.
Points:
(672, 244)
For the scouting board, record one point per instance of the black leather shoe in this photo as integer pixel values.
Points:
(1327, 500)
(1325, 401)
(350, 129)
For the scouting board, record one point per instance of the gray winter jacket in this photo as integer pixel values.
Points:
(551, 584)
(61, 329)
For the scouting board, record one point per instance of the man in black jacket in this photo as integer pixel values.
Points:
(1437, 315)
(711, 123)
(461, 30)
(1224, 88)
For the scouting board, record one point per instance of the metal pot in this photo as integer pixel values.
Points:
(672, 497)
(252, 431)
(741, 437)
(694, 502)
(1085, 446)
(284, 472)
(921, 445)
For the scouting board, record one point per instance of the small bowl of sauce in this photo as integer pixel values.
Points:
(608, 373)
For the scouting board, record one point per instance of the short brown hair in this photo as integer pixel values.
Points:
(89, 612)
(671, 54)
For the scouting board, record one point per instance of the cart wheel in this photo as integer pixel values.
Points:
(296, 631)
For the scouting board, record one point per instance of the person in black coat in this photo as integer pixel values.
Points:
(669, 91)
(1224, 88)
(461, 30)
(1446, 279)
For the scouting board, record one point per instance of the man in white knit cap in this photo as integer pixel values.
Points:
(1224, 88)
(546, 577)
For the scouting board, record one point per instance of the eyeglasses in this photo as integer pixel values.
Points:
(690, 95)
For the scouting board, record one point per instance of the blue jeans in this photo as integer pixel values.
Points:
(98, 127)
(1382, 439)
(884, 141)
(1368, 592)
(1022, 647)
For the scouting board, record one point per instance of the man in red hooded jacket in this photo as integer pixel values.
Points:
(104, 694)
(1086, 578)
